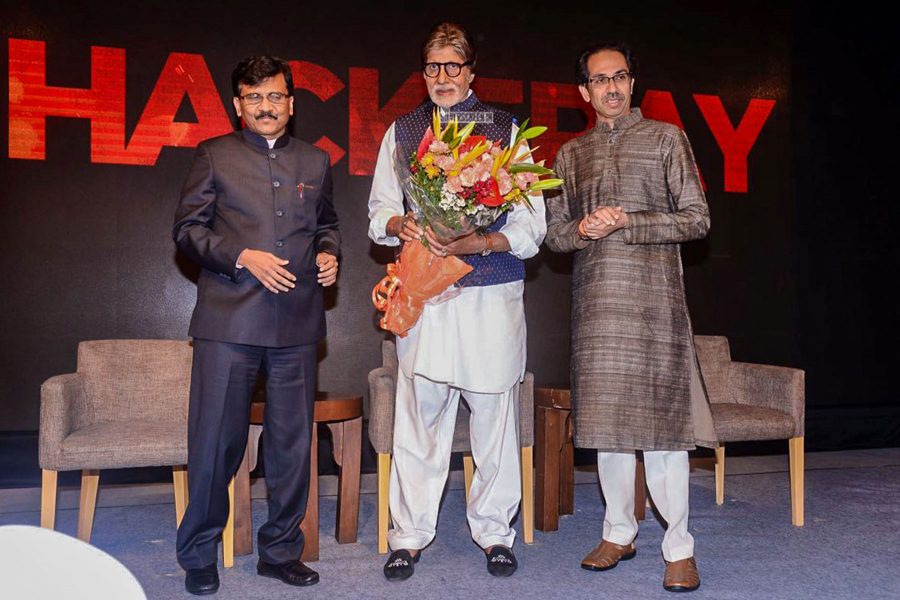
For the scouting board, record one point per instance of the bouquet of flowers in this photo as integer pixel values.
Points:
(456, 182)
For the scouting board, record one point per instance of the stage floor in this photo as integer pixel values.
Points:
(746, 548)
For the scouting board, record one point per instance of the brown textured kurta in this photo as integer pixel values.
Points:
(632, 347)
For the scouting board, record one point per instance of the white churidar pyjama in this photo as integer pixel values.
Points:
(424, 419)
(668, 477)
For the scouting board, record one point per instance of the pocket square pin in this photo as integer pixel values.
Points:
(300, 189)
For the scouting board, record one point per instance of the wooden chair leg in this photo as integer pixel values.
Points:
(469, 472)
(528, 494)
(796, 454)
(179, 478)
(310, 523)
(243, 518)
(720, 474)
(640, 490)
(228, 532)
(548, 432)
(350, 452)
(89, 481)
(566, 467)
(384, 475)
(48, 498)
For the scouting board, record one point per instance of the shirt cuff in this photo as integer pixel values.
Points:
(378, 229)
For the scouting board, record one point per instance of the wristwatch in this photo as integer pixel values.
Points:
(488, 244)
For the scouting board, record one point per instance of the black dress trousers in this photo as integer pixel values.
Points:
(222, 383)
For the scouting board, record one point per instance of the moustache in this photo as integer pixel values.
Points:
(264, 114)
(614, 96)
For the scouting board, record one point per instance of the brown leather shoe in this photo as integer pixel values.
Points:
(681, 576)
(607, 555)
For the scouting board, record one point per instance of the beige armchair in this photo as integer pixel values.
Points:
(754, 402)
(380, 413)
(125, 406)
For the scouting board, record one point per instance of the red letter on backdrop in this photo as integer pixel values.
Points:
(31, 101)
(367, 122)
(183, 74)
(324, 84)
(661, 106)
(546, 100)
(734, 142)
(499, 91)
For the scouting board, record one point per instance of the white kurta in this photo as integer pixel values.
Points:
(475, 341)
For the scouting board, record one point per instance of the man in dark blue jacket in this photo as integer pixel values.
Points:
(256, 214)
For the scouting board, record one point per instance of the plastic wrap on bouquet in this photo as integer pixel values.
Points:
(412, 280)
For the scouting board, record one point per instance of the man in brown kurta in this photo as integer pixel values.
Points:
(632, 194)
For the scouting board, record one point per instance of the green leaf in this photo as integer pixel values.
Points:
(545, 184)
(465, 131)
(533, 132)
(529, 168)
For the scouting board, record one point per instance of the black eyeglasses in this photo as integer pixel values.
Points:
(452, 69)
(274, 97)
(602, 80)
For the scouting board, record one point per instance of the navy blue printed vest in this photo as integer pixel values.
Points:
(496, 125)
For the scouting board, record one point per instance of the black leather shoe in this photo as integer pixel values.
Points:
(400, 565)
(501, 562)
(291, 573)
(201, 582)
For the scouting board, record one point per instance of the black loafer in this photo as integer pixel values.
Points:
(201, 582)
(291, 573)
(400, 565)
(501, 562)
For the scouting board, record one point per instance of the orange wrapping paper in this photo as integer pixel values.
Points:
(416, 276)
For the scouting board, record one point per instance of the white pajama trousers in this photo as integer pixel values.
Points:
(668, 475)
(424, 421)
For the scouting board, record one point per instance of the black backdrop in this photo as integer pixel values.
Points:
(791, 271)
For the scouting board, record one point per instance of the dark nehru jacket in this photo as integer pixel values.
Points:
(495, 125)
(241, 194)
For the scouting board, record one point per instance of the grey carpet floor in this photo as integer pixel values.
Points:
(746, 549)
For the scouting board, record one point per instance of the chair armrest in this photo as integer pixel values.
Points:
(526, 410)
(770, 386)
(382, 395)
(62, 401)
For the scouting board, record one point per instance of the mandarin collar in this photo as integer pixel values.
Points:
(258, 141)
(624, 122)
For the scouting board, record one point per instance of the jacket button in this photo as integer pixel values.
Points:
(276, 183)
(272, 155)
(279, 243)
(279, 213)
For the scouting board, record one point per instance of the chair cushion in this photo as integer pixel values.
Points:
(135, 379)
(741, 423)
(120, 445)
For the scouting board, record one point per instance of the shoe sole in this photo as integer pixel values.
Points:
(681, 588)
(203, 592)
(588, 567)
(297, 584)
(510, 574)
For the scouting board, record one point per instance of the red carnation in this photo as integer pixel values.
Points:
(489, 193)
